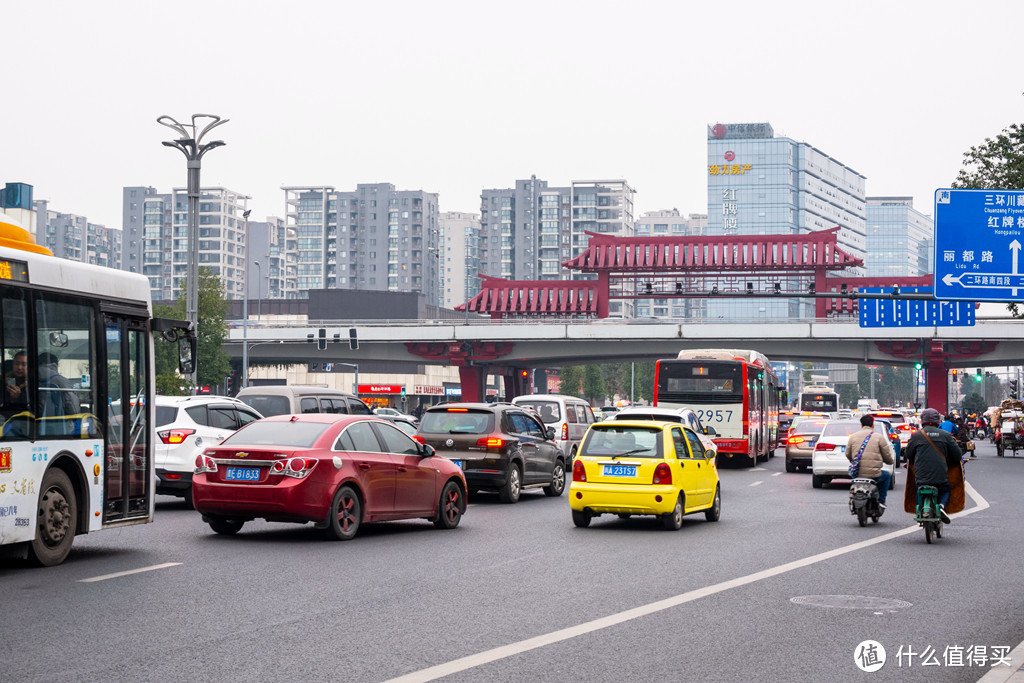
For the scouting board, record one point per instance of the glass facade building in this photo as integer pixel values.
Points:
(899, 238)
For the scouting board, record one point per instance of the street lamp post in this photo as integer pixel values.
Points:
(245, 357)
(245, 304)
(191, 145)
(355, 367)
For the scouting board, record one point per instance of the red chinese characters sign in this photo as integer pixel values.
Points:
(380, 388)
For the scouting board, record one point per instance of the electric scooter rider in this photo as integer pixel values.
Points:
(931, 451)
(877, 451)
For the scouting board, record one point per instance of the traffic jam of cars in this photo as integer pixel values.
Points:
(325, 458)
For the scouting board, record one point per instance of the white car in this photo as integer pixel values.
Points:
(829, 459)
(395, 415)
(185, 425)
(685, 416)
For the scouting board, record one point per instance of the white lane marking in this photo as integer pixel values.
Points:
(756, 483)
(756, 469)
(130, 571)
(777, 474)
(495, 654)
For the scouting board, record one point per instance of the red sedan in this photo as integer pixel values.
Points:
(335, 470)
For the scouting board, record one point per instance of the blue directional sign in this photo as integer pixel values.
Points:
(978, 238)
(913, 312)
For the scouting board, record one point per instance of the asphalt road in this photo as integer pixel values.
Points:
(784, 587)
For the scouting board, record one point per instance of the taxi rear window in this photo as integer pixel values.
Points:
(631, 441)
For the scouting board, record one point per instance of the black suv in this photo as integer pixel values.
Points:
(500, 447)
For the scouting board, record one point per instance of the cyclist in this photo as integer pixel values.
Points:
(931, 451)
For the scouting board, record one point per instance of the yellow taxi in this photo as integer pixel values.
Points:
(631, 467)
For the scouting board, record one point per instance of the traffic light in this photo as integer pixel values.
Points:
(954, 373)
(524, 373)
(1013, 389)
(917, 366)
(977, 375)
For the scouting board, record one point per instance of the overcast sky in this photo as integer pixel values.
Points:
(454, 97)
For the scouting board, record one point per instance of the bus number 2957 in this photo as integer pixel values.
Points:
(712, 416)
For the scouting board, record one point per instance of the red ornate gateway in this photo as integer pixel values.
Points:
(698, 267)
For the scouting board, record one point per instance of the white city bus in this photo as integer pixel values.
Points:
(76, 447)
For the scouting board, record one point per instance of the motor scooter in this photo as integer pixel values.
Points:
(864, 500)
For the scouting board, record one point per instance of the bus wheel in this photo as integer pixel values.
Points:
(56, 520)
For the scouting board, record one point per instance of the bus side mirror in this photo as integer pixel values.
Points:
(187, 354)
(710, 431)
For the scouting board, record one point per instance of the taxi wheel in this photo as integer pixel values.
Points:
(673, 521)
(449, 508)
(816, 481)
(346, 514)
(557, 480)
(790, 467)
(715, 511)
(581, 518)
(509, 493)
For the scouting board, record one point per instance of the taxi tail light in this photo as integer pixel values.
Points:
(905, 427)
(175, 436)
(823, 446)
(205, 463)
(490, 442)
(579, 472)
(795, 439)
(662, 474)
(565, 431)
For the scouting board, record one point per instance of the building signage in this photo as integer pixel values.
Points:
(729, 131)
(978, 239)
(453, 391)
(380, 388)
(728, 169)
(420, 390)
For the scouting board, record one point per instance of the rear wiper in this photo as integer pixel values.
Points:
(632, 452)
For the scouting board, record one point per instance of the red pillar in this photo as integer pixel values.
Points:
(820, 286)
(936, 382)
(473, 380)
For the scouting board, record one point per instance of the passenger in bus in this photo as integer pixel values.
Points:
(16, 399)
(57, 392)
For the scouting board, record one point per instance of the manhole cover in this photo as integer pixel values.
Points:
(850, 602)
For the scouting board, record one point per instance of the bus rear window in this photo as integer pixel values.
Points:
(700, 378)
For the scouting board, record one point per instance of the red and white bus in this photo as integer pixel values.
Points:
(733, 391)
(76, 401)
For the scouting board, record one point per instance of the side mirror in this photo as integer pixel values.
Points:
(710, 431)
(428, 450)
(58, 339)
(187, 354)
(550, 433)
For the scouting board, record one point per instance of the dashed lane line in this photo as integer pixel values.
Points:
(512, 649)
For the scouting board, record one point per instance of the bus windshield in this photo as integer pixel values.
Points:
(820, 402)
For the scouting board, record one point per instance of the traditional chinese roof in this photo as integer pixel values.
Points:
(499, 297)
(746, 253)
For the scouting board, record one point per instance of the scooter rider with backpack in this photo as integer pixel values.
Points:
(875, 450)
(931, 451)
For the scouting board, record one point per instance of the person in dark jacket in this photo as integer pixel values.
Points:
(931, 451)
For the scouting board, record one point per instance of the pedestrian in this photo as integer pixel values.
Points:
(16, 385)
(949, 424)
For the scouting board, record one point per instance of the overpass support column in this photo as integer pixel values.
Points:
(473, 380)
(937, 379)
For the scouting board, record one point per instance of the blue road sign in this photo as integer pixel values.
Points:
(913, 312)
(978, 238)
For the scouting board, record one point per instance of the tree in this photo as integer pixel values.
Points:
(570, 380)
(594, 386)
(974, 403)
(212, 363)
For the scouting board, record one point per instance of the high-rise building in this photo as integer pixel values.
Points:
(668, 223)
(271, 259)
(899, 238)
(375, 238)
(155, 240)
(759, 184)
(460, 257)
(73, 237)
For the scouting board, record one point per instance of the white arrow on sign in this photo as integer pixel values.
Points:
(948, 280)
(1015, 248)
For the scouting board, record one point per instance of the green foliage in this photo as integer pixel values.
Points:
(594, 386)
(173, 385)
(570, 380)
(212, 363)
(974, 403)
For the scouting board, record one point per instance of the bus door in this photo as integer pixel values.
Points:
(127, 484)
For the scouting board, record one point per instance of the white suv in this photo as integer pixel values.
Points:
(185, 425)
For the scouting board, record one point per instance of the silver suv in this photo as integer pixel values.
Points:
(185, 425)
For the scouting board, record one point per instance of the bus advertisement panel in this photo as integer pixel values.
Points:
(733, 391)
(76, 405)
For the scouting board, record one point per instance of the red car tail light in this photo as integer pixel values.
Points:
(298, 468)
(205, 463)
(662, 474)
(419, 439)
(490, 442)
(823, 446)
(175, 436)
(795, 439)
(579, 472)
(565, 431)
(905, 427)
